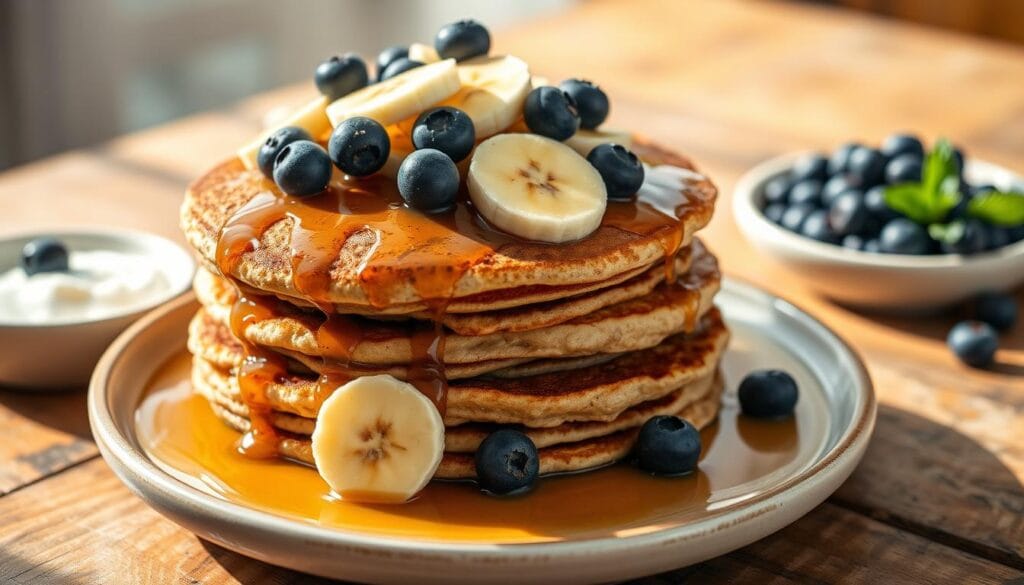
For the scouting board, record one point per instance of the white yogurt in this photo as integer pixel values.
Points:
(99, 284)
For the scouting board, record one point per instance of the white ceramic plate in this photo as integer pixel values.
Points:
(835, 417)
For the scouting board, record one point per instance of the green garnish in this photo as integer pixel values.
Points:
(930, 202)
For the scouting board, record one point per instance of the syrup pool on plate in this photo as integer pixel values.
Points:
(742, 457)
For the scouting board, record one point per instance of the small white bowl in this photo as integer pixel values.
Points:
(888, 282)
(63, 355)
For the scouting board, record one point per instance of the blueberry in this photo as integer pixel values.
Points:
(388, 56)
(777, 189)
(302, 168)
(774, 212)
(340, 76)
(808, 192)
(668, 445)
(795, 215)
(1016, 234)
(867, 165)
(591, 101)
(816, 227)
(899, 144)
(973, 240)
(359, 146)
(446, 129)
(974, 342)
(810, 166)
(507, 462)
(428, 180)
(905, 168)
(873, 246)
(996, 237)
(621, 170)
(848, 214)
(768, 394)
(839, 162)
(399, 66)
(551, 112)
(874, 200)
(903, 236)
(462, 40)
(44, 255)
(999, 310)
(274, 143)
(836, 186)
(853, 242)
(960, 210)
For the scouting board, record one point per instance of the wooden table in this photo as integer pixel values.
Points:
(939, 494)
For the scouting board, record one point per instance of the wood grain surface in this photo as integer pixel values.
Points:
(938, 497)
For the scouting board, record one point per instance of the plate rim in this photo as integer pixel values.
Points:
(134, 467)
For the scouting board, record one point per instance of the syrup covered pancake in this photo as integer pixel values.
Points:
(466, 437)
(572, 447)
(630, 325)
(217, 295)
(595, 393)
(353, 248)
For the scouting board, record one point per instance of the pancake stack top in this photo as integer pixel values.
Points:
(575, 344)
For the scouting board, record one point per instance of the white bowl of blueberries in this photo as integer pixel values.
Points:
(897, 228)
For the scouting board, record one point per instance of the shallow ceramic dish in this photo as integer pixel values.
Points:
(892, 282)
(27, 350)
(835, 417)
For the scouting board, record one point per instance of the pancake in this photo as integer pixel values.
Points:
(558, 458)
(627, 326)
(465, 438)
(217, 295)
(595, 393)
(211, 340)
(393, 260)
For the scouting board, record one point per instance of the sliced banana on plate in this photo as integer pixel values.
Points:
(493, 92)
(311, 117)
(536, 188)
(423, 53)
(378, 439)
(401, 147)
(583, 141)
(399, 97)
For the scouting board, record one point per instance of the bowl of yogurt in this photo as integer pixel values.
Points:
(64, 296)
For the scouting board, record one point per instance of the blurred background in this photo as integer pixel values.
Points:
(78, 72)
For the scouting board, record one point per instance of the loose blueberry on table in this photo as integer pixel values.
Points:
(897, 199)
(974, 342)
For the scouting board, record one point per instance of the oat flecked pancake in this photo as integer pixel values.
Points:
(523, 272)
(576, 345)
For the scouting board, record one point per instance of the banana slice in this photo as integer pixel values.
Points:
(378, 439)
(539, 81)
(583, 141)
(312, 118)
(493, 92)
(536, 188)
(399, 97)
(423, 53)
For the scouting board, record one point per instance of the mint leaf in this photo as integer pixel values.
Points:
(938, 169)
(906, 198)
(1002, 209)
(936, 195)
(950, 233)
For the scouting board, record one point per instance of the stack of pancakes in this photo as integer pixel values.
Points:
(576, 345)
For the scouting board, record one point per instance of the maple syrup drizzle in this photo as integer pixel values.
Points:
(363, 223)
